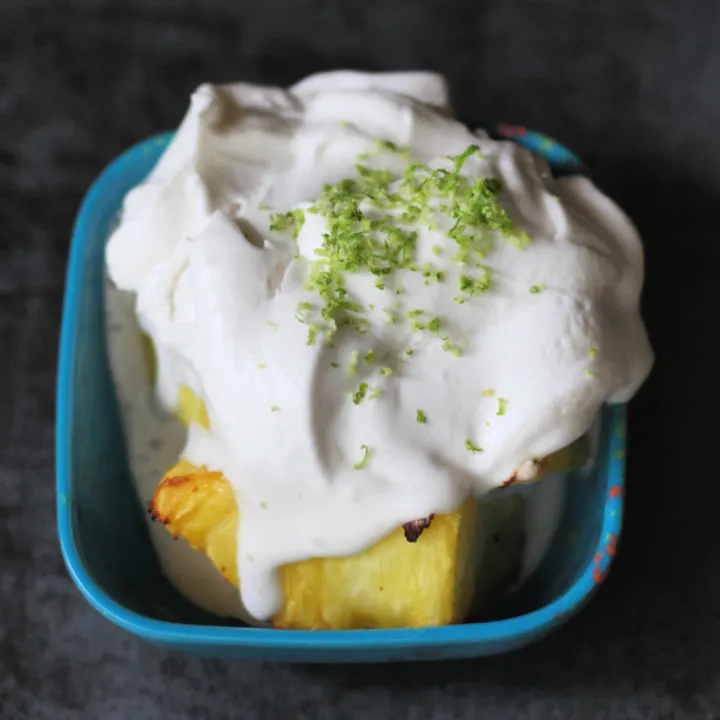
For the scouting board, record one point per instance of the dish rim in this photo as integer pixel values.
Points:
(510, 630)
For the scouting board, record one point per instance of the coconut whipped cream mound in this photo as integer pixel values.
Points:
(383, 311)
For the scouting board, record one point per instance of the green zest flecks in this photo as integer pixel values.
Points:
(359, 395)
(434, 325)
(303, 308)
(470, 446)
(502, 406)
(365, 458)
(293, 220)
(367, 218)
(421, 417)
(537, 289)
(371, 224)
(475, 286)
(275, 408)
(312, 334)
(449, 346)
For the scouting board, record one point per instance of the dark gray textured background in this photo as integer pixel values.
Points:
(634, 87)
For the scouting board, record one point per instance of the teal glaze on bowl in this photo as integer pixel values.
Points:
(104, 537)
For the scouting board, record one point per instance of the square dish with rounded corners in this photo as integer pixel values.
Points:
(104, 537)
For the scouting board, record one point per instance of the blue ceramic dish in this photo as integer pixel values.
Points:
(104, 537)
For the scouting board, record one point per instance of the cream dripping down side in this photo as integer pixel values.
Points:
(219, 292)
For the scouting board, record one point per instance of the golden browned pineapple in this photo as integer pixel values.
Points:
(395, 583)
(433, 579)
(200, 507)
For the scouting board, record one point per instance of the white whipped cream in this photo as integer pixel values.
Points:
(218, 293)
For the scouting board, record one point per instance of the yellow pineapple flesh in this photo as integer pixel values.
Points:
(395, 583)
(435, 580)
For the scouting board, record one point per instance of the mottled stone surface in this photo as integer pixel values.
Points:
(631, 86)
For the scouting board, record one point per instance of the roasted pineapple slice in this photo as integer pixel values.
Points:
(432, 580)
(395, 583)
(200, 507)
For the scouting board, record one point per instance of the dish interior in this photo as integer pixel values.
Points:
(105, 520)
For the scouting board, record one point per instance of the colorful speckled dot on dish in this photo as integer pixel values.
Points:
(614, 503)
